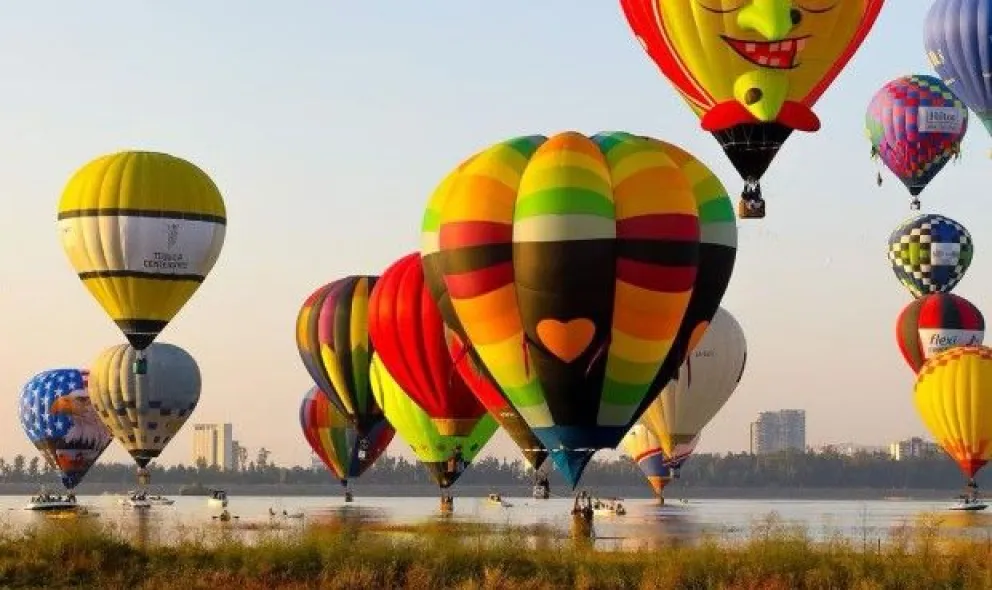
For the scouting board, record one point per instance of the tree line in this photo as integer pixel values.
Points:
(790, 469)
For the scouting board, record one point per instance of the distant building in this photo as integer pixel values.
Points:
(850, 449)
(316, 464)
(213, 445)
(778, 431)
(912, 447)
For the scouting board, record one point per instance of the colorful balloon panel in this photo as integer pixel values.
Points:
(333, 341)
(916, 125)
(334, 439)
(930, 253)
(645, 449)
(445, 456)
(570, 262)
(753, 69)
(58, 418)
(142, 230)
(933, 323)
(953, 396)
(144, 412)
(496, 404)
(407, 332)
(959, 45)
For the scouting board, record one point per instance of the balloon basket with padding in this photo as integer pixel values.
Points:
(751, 209)
(140, 366)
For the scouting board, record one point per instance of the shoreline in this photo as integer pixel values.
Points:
(673, 493)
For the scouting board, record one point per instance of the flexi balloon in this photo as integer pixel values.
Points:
(933, 323)
(59, 420)
(702, 386)
(915, 125)
(142, 230)
(407, 332)
(953, 396)
(144, 412)
(333, 340)
(751, 69)
(570, 262)
(495, 403)
(333, 438)
(959, 46)
(930, 253)
(445, 456)
(645, 449)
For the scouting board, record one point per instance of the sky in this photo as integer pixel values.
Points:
(327, 126)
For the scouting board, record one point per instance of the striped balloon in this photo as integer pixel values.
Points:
(933, 323)
(645, 449)
(569, 264)
(916, 124)
(959, 46)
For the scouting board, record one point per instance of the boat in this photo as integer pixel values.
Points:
(48, 502)
(969, 504)
(608, 507)
(217, 499)
(158, 500)
(135, 500)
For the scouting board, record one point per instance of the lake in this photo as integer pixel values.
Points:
(646, 524)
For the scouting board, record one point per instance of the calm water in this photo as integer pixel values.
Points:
(646, 524)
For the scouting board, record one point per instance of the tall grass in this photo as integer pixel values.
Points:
(464, 556)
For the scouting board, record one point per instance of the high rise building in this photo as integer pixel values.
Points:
(912, 447)
(778, 431)
(213, 445)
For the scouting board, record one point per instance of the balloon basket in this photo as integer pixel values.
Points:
(143, 477)
(140, 367)
(751, 209)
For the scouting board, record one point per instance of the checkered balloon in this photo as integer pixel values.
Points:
(930, 253)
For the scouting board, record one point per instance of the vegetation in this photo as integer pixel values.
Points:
(457, 555)
(742, 470)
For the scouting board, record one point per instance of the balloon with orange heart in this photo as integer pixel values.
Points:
(568, 265)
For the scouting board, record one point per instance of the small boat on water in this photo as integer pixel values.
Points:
(497, 500)
(969, 504)
(612, 507)
(217, 499)
(138, 500)
(158, 500)
(45, 502)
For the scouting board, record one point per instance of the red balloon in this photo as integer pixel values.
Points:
(408, 334)
(933, 323)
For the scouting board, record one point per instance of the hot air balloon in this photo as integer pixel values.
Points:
(930, 253)
(333, 339)
(142, 230)
(751, 69)
(335, 440)
(407, 333)
(569, 263)
(58, 418)
(703, 385)
(445, 456)
(144, 412)
(959, 46)
(933, 323)
(953, 396)
(915, 125)
(645, 449)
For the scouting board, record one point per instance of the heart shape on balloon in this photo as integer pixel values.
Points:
(566, 340)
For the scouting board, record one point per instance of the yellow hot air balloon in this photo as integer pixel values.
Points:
(142, 230)
(953, 395)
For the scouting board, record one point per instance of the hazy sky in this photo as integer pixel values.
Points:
(327, 126)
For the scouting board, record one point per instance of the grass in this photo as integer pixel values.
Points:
(467, 556)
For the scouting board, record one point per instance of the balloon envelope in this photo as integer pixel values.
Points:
(933, 323)
(407, 333)
(916, 124)
(144, 412)
(953, 396)
(702, 386)
(645, 449)
(570, 262)
(334, 439)
(142, 230)
(959, 45)
(60, 421)
(333, 340)
(445, 456)
(751, 71)
(930, 253)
